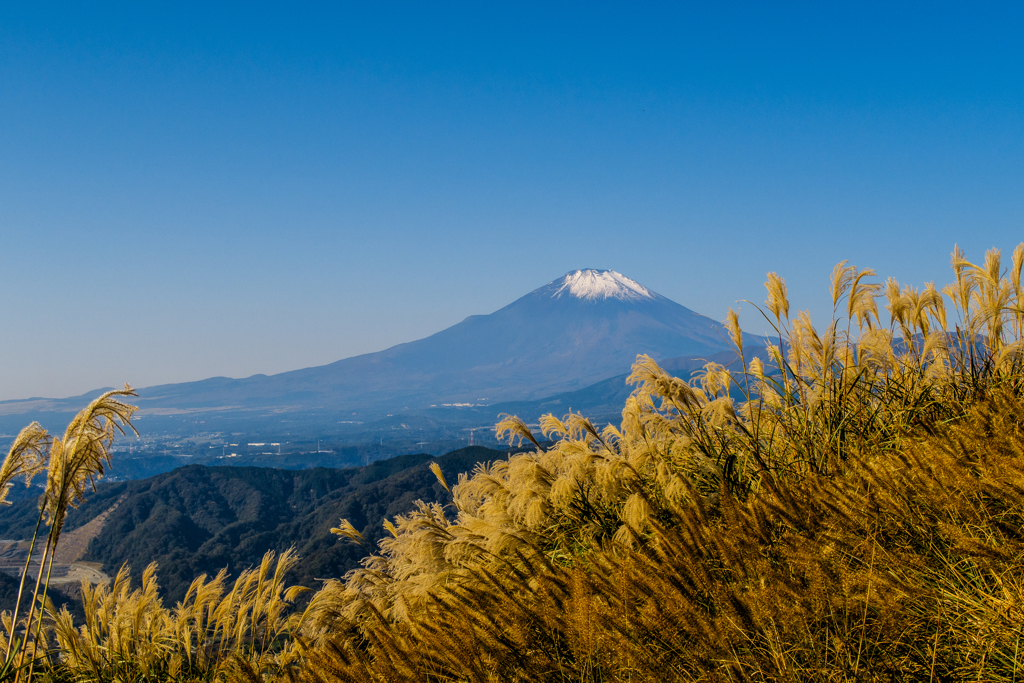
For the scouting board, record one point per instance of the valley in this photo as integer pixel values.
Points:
(198, 519)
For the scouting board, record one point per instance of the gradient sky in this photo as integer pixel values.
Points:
(190, 191)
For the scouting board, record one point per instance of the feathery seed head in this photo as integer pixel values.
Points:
(715, 378)
(875, 349)
(756, 368)
(77, 460)
(861, 304)
(992, 268)
(897, 305)
(933, 302)
(346, 530)
(551, 426)
(842, 278)
(1017, 259)
(936, 345)
(26, 458)
(962, 290)
(957, 260)
(636, 511)
(777, 301)
(514, 427)
(732, 323)
(720, 413)
(436, 469)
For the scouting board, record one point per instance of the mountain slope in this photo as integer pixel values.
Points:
(198, 519)
(604, 400)
(584, 327)
(580, 329)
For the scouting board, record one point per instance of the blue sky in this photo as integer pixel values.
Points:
(188, 191)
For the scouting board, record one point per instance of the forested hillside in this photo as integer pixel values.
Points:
(197, 519)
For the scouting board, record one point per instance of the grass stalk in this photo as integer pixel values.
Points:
(42, 609)
(21, 585)
(32, 611)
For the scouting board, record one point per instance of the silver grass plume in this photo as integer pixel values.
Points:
(26, 458)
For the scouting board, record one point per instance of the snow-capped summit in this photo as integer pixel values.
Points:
(600, 284)
(581, 328)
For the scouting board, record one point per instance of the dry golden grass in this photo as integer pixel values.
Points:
(848, 509)
(73, 464)
(129, 634)
(795, 520)
(906, 567)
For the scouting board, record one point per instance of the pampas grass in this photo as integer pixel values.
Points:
(129, 634)
(798, 519)
(73, 465)
(845, 507)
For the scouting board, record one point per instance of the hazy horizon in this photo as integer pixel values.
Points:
(188, 191)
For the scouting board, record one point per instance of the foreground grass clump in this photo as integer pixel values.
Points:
(906, 567)
(73, 464)
(844, 504)
(129, 634)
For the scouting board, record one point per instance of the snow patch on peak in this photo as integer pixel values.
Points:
(601, 284)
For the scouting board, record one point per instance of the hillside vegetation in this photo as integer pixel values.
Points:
(850, 509)
(198, 520)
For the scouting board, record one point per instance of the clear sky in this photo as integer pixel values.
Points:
(190, 191)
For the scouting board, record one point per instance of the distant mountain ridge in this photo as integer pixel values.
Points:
(582, 328)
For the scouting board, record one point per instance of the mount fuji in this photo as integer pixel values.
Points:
(571, 333)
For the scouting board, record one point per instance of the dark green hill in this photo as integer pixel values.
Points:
(9, 597)
(18, 520)
(199, 519)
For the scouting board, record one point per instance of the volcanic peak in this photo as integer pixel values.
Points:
(600, 284)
